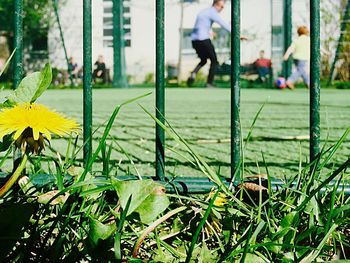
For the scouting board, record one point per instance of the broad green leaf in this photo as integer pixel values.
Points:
(31, 87)
(206, 255)
(99, 231)
(47, 197)
(162, 255)
(252, 258)
(153, 205)
(147, 197)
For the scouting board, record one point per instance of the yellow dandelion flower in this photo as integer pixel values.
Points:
(220, 200)
(32, 123)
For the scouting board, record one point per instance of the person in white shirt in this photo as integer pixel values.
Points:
(300, 48)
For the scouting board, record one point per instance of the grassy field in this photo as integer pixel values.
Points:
(202, 116)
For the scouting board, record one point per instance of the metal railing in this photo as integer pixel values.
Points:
(160, 84)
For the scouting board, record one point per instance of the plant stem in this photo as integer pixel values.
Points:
(13, 179)
(151, 227)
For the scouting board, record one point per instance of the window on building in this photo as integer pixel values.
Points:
(108, 23)
(277, 37)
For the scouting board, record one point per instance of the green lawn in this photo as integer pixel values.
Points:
(202, 116)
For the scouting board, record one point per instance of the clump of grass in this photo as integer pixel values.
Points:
(82, 216)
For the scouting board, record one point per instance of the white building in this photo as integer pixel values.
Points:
(140, 55)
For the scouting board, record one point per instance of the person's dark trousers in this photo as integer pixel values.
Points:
(103, 76)
(262, 72)
(205, 50)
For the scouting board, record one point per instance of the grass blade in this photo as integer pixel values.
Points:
(7, 62)
(106, 133)
(199, 227)
(313, 255)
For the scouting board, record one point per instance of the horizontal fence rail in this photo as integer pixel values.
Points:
(185, 184)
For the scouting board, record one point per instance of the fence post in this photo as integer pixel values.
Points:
(18, 62)
(119, 74)
(87, 79)
(18, 57)
(160, 95)
(287, 32)
(235, 87)
(315, 65)
(55, 8)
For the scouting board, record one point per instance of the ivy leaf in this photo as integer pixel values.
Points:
(206, 255)
(148, 198)
(31, 87)
(252, 258)
(99, 231)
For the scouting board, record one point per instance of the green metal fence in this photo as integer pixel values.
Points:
(287, 32)
(187, 183)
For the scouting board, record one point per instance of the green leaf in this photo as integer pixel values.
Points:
(134, 260)
(31, 87)
(47, 197)
(252, 258)
(148, 198)
(99, 231)
(286, 225)
(289, 219)
(206, 255)
(162, 255)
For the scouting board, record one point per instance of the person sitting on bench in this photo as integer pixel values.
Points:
(100, 70)
(263, 66)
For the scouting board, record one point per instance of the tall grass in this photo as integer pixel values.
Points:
(84, 217)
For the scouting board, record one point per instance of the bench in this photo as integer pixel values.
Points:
(248, 71)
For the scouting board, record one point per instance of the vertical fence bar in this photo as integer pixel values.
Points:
(18, 57)
(55, 7)
(235, 86)
(119, 74)
(287, 31)
(18, 62)
(160, 94)
(315, 65)
(87, 86)
(271, 43)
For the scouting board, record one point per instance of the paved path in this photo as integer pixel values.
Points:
(202, 116)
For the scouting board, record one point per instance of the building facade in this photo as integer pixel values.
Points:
(256, 21)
